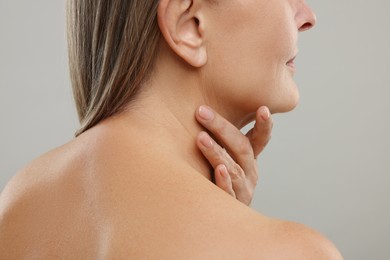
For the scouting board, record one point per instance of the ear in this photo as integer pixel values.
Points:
(181, 24)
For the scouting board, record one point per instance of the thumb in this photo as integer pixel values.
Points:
(260, 134)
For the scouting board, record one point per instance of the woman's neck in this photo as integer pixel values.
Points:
(171, 124)
(165, 110)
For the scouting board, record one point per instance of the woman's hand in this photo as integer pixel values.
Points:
(235, 168)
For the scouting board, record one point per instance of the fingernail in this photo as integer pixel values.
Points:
(205, 113)
(265, 114)
(223, 171)
(206, 140)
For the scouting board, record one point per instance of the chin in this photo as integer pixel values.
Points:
(286, 104)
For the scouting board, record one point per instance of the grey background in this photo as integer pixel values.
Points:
(328, 163)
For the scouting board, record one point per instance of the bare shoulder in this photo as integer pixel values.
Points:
(60, 203)
(43, 206)
(297, 241)
(102, 197)
(189, 217)
(176, 213)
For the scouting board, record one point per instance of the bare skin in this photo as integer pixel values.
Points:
(235, 168)
(87, 200)
(137, 185)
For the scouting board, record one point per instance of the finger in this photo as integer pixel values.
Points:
(243, 188)
(222, 162)
(260, 134)
(213, 152)
(232, 139)
(217, 156)
(242, 193)
(222, 180)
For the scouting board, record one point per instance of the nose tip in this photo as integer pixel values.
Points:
(309, 19)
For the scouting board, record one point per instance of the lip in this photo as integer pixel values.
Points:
(291, 63)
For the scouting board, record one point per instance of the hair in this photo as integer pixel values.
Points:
(112, 46)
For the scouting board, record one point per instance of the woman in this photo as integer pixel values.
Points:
(134, 184)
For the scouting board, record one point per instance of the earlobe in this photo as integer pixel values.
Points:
(181, 26)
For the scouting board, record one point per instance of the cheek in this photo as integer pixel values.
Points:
(246, 88)
(246, 64)
(237, 84)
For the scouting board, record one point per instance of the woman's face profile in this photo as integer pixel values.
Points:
(250, 43)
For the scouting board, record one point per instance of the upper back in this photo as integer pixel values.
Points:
(43, 207)
(102, 199)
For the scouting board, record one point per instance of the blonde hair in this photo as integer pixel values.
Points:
(112, 46)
